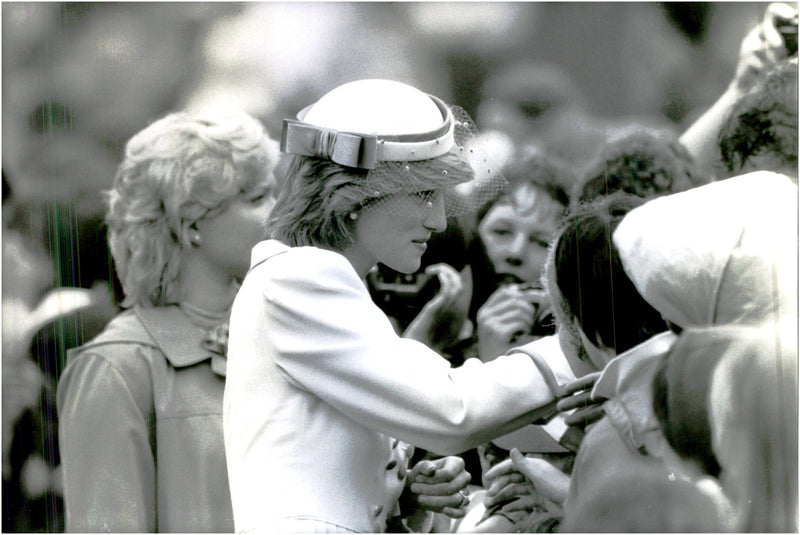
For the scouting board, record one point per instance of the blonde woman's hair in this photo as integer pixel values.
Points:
(176, 171)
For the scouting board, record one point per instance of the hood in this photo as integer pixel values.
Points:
(721, 253)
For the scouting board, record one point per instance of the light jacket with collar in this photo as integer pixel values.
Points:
(140, 429)
(627, 383)
(320, 388)
(629, 439)
(727, 254)
(629, 436)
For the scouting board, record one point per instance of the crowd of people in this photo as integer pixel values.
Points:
(374, 324)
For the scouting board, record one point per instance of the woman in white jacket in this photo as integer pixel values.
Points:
(322, 395)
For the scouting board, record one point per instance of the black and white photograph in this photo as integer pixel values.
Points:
(399, 267)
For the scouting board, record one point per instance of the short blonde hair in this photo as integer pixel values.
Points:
(176, 171)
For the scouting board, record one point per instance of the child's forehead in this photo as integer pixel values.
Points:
(527, 200)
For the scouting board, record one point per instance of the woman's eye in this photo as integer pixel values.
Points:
(501, 232)
(259, 196)
(424, 196)
(539, 241)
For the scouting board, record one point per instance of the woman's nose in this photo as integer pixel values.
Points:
(435, 220)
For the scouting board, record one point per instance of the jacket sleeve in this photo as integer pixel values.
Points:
(328, 337)
(105, 425)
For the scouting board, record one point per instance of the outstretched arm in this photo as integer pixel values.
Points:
(762, 47)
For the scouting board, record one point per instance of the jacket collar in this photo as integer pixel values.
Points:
(626, 367)
(265, 250)
(627, 383)
(178, 338)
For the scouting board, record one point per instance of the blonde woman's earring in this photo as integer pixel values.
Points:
(353, 215)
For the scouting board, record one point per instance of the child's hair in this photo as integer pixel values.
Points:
(535, 170)
(592, 283)
(763, 121)
(642, 161)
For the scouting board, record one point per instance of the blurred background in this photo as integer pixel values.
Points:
(78, 79)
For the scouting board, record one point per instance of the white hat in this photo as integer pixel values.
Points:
(407, 142)
(375, 107)
(361, 123)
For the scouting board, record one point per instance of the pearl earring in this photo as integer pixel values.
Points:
(194, 239)
(353, 215)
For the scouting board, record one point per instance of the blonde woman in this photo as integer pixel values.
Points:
(140, 406)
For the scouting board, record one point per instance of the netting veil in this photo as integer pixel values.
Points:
(397, 139)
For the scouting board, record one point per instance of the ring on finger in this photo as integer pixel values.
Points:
(464, 499)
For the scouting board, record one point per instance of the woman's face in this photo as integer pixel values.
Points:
(227, 236)
(517, 231)
(396, 230)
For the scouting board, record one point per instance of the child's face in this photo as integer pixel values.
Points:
(516, 233)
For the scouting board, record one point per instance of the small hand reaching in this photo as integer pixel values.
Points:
(440, 321)
(552, 483)
(503, 482)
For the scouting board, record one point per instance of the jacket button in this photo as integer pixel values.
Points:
(391, 464)
(377, 510)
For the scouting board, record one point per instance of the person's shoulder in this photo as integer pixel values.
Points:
(599, 435)
(603, 448)
(120, 361)
(594, 454)
(316, 256)
(123, 343)
(305, 262)
(125, 327)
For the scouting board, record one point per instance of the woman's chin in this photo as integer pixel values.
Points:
(405, 266)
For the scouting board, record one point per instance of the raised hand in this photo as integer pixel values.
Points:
(440, 321)
(506, 316)
(765, 44)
